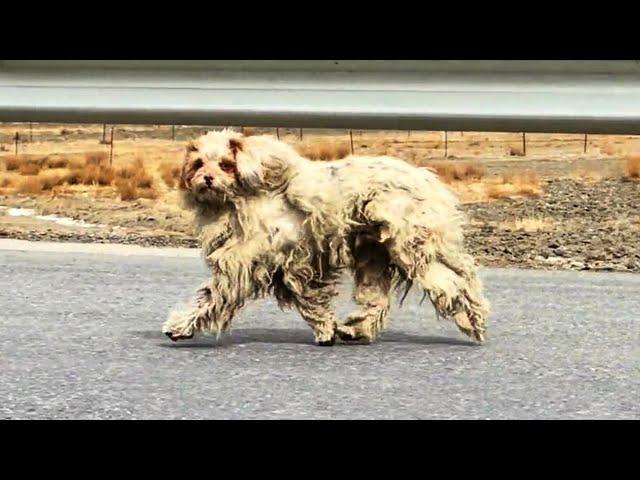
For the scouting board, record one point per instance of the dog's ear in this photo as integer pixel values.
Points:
(235, 145)
(261, 165)
(187, 171)
(192, 146)
(186, 174)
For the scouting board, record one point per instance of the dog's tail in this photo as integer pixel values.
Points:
(455, 290)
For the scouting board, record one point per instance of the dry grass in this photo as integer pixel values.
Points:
(128, 190)
(515, 184)
(529, 224)
(50, 179)
(170, 173)
(6, 182)
(143, 180)
(46, 173)
(132, 170)
(327, 149)
(96, 158)
(137, 173)
(516, 152)
(632, 166)
(12, 163)
(134, 181)
(30, 185)
(74, 176)
(457, 171)
(249, 131)
(149, 193)
(76, 163)
(29, 168)
(93, 170)
(56, 162)
(102, 175)
(608, 149)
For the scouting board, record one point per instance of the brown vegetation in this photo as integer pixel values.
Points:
(457, 171)
(516, 152)
(513, 184)
(170, 173)
(30, 185)
(632, 166)
(324, 149)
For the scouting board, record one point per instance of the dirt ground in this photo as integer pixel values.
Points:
(553, 206)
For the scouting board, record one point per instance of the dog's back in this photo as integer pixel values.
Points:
(411, 194)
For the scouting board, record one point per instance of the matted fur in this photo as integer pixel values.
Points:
(273, 222)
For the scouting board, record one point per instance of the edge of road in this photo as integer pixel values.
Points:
(98, 248)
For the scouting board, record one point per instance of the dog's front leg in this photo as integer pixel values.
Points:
(215, 305)
(182, 324)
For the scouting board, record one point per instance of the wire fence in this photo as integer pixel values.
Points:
(16, 137)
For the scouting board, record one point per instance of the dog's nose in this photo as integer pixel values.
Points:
(208, 180)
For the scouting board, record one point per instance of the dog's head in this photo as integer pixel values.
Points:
(224, 165)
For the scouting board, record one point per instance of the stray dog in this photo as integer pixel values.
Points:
(273, 222)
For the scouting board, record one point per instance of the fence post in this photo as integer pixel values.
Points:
(278, 133)
(17, 138)
(585, 143)
(111, 147)
(446, 144)
(351, 137)
(300, 134)
(104, 133)
(524, 143)
(173, 132)
(30, 132)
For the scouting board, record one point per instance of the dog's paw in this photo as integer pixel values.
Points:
(327, 337)
(175, 337)
(480, 337)
(351, 334)
(474, 330)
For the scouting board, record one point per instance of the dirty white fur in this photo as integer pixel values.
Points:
(273, 222)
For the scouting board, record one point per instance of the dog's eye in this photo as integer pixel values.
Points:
(197, 165)
(227, 167)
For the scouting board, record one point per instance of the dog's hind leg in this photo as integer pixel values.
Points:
(455, 291)
(372, 286)
(435, 261)
(457, 298)
(314, 302)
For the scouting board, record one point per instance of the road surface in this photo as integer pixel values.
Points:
(80, 338)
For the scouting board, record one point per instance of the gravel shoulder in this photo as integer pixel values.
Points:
(585, 226)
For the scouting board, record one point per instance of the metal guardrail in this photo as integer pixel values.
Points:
(532, 96)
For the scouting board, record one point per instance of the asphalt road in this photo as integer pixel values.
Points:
(80, 338)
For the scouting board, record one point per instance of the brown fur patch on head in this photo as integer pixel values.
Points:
(235, 145)
(189, 169)
(229, 165)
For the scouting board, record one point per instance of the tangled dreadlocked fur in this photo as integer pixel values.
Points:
(274, 223)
